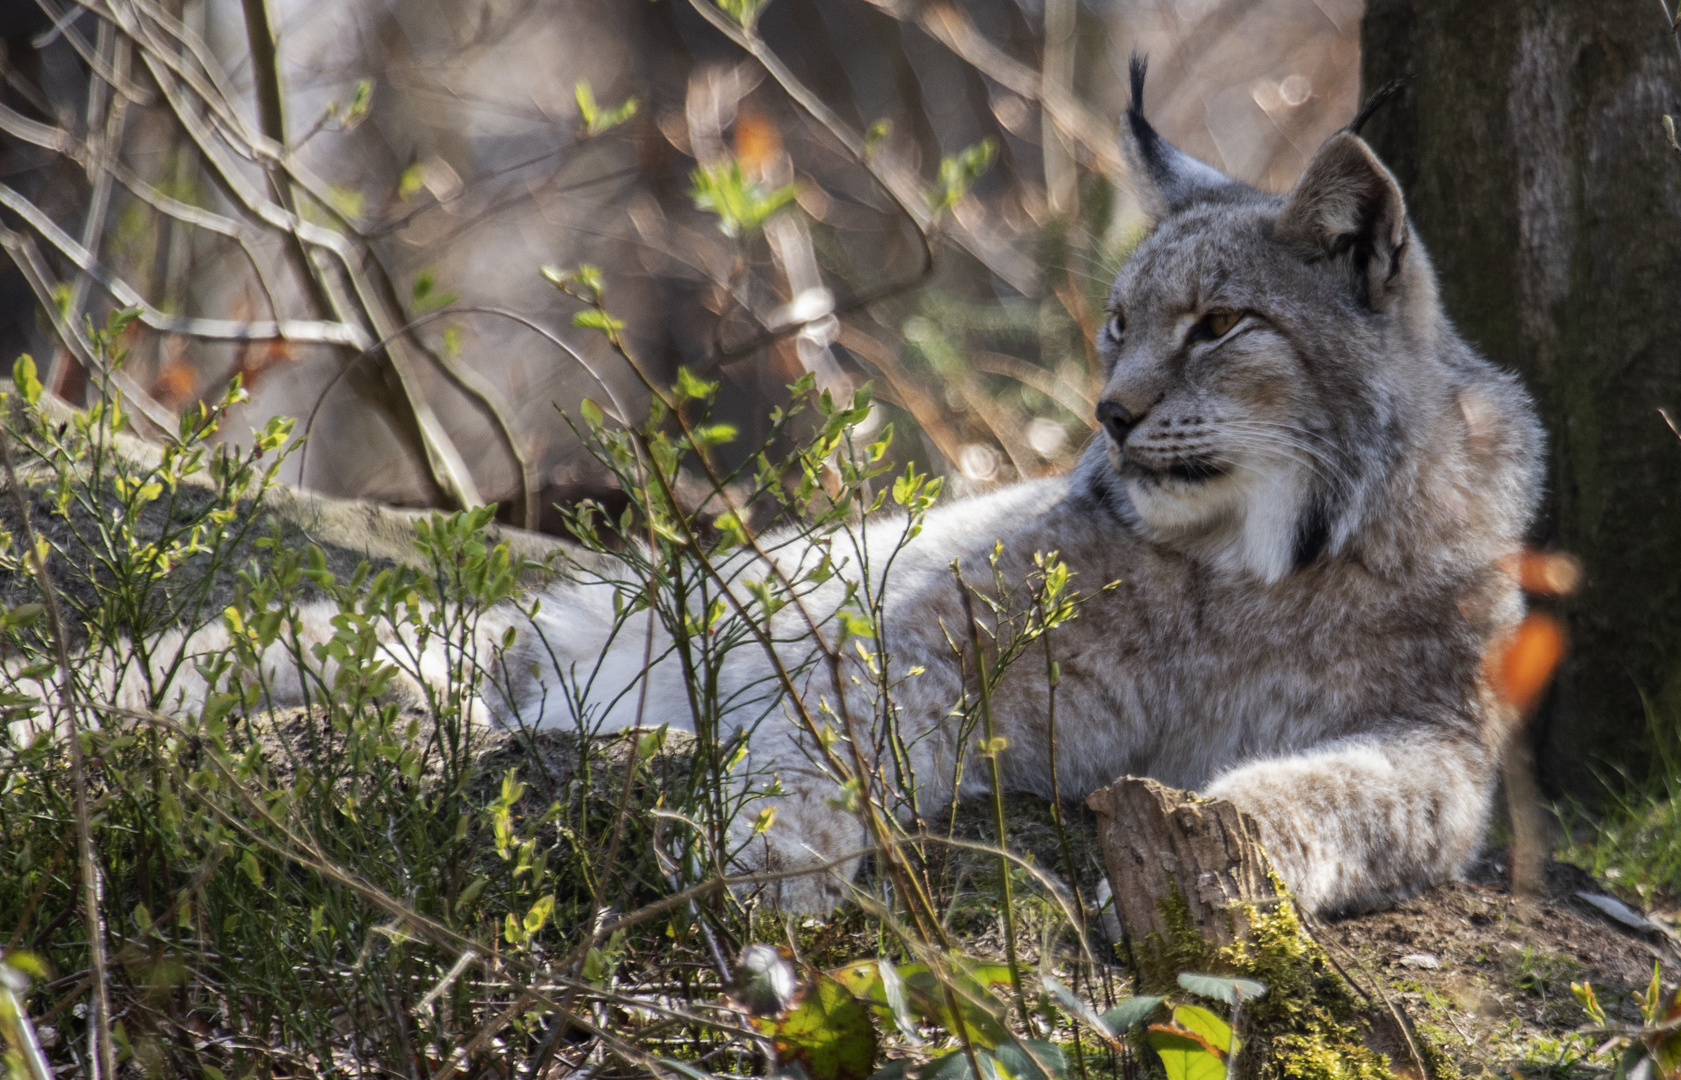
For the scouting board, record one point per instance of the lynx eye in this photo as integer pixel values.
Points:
(1215, 325)
(1116, 326)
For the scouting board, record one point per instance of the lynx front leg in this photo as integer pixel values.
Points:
(1364, 820)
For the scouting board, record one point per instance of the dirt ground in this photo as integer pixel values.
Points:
(1486, 975)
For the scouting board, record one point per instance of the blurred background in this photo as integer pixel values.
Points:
(445, 144)
(349, 203)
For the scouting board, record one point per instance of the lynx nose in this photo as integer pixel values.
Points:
(1116, 420)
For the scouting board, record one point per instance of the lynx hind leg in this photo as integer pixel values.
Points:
(807, 834)
(287, 682)
(1364, 821)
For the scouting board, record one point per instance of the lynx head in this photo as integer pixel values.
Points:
(1280, 368)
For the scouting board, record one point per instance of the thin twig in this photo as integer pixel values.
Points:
(953, 29)
(992, 751)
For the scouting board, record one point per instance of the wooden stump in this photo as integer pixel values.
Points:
(1188, 873)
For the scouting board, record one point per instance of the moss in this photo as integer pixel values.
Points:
(1159, 959)
(1309, 1025)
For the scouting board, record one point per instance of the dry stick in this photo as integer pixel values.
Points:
(129, 296)
(992, 750)
(265, 70)
(917, 401)
(99, 1033)
(271, 118)
(443, 458)
(27, 258)
(62, 142)
(94, 224)
(1061, 183)
(307, 854)
(620, 413)
(1528, 854)
(1050, 384)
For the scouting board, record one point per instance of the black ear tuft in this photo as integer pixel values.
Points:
(1377, 101)
(1167, 179)
(1136, 68)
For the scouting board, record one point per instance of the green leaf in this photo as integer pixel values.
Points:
(1200, 1020)
(596, 319)
(1185, 1058)
(1667, 1054)
(692, 388)
(873, 137)
(1033, 1059)
(1071, 1004)
(1230, 991)
(1131, 1011)
(898, 1002)
(958, 173)
(26, 962)
(830, 1033)
(23, 377)
(425, 296)
(1589, 1001)
(952, 1066)
(742, 206)
(596, 119)
(539, 914)
(744, 12)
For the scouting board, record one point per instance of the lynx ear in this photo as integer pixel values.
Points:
(1347, 205)
(1168, 179)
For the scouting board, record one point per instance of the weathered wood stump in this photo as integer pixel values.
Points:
(1188, 873)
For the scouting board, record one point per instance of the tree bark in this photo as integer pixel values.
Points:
(1188, 873)
(1529, 143)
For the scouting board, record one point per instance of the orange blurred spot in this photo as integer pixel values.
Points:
(177, 380)
(1547, 573)
(257, 358)
(1522, 665)
(757, 144)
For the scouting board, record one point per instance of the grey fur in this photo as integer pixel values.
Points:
(1304, 515)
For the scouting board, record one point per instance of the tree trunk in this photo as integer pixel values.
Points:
(1188, 873)
(1529, 143)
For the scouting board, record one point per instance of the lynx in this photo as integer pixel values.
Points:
(1303, 486)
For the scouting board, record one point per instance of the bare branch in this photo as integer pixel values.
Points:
(951, 28)
(443, 458)
(219, 329)
(24, 253)
(98, 59)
